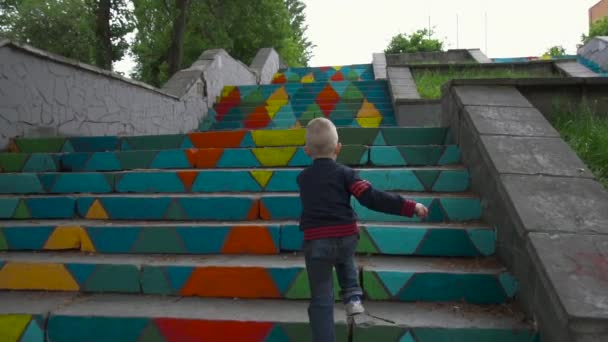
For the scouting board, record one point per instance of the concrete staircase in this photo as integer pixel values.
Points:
(194, 237)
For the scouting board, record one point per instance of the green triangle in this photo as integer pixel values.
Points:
(373, 287)
(3, 243)
(151, 334)
(378, 333)
(110, 179)
(154, 281)
(159, 240)
(12, 162)
(379, 141)
(22, 211)
(255, 96)
(427, 178)
(130, 160)
(311, 112)
(352, 75)
(67, 147)
(366, 245)
(300, 288)
(297, 331)
(352, 92)
(175, 212)
(435, 212)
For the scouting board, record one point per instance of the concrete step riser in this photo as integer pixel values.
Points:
(212, 208)
(265, 282)
(353, 155)
(210, 181)
(240, 239)
(242, 138)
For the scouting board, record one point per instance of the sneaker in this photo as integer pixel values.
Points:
(354, 307)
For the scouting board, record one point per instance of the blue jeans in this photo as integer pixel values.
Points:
(321, 257)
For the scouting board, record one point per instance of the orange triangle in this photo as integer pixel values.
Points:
(96, 211)
(187, 178)
(264, 213)
(368, 110)
(191, 155)
(249, 240)
(229, 282)
(254, 211)
(206, 158)
(258, 119)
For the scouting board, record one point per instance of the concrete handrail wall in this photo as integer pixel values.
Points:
(43, 94)
(450, 56)
(551, 216)
(266, 64)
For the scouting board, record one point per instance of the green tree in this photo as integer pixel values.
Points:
(555, 51)
(239, 27)
(419, 41)
(91, 31)
(598, 28)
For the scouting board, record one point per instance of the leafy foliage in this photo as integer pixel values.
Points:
(239, 27)
(598, 28)
(65, 27)
(419, 41)
(555, 51)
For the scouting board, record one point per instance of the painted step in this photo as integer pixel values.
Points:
(373, 122)
(131, 318)
(272, 276)
(442, 208)
(241, 138)
(229, 180)
(305, 110)
(225, 158)
(239, 238)
(379, 97)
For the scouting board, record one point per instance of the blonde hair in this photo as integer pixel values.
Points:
(321, 138)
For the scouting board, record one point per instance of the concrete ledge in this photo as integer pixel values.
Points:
(266, 63)
(450, 56)
(401, 84)
(551, 216)
(418, 112)
(379, 65)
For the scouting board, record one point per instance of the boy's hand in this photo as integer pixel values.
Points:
(421, 211)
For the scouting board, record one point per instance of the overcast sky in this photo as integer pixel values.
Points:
(349, 31)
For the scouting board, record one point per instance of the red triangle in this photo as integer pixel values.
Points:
(258, 119)
(254, 211)
(226, 103)
(279, 79)
(264, 213)
(338, 76)
(324, 68)
(206, 158)
(327, 99)
(179, 330)
(187, 178)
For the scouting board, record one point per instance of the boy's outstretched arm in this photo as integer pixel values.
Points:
(382, 201)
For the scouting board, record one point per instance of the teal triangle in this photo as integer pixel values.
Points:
(300, 158)
(407, 338)
(427, 177)
(509, 284)
(277, 335)
(484, 240)
(379, 141)
(67, 147)
(435, 212)
(244, 91)
(394, 281)
(283, 277)
(81, 272)
(340, 87)
(125, 146)
(178, 276)
(187, 143)
(48, 180)
(33, 333)
(247, 140)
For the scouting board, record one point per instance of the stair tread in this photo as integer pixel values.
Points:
(445, 315)
(375, 263)
(252, 195)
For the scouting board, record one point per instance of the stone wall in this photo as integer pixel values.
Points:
(594, 54)
(47, 95)
(551, 216)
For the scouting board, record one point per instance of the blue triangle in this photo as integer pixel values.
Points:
(277, 335)
(379, 141)
(283, 277)
(67, 147)
(292, 88)
(246, 90)
(394, 281)
(32, 333)
(81, 272)
(125, 146)
(247, 140)
(187, 143)
(407, 338)
(339, 87)
(27, 238)
(509, 284)
(113, 239)
(484, 240)
(300, 158)
(178, 276)
(48, 180)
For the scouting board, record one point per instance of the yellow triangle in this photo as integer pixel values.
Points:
(337, 67)
(36, 276)
(308, 78)
(279, 137)
(280, 96)
(227, 90)
(368, 110)
(97, 212)
(70, 237)
(369, 122)
(278, 156)
(272, 110)
(12, 326)
(261, 176)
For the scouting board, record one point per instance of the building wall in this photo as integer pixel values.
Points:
(598, 11)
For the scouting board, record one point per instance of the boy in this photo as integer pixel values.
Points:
(329, 225)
